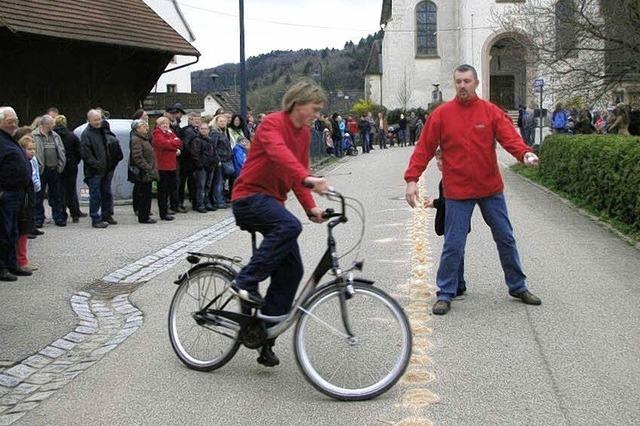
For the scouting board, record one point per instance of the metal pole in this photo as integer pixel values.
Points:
(243, 77)
(541, 89)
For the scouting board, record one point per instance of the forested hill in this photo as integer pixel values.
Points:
(268, 75)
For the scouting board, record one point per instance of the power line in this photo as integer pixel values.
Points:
(270, 21)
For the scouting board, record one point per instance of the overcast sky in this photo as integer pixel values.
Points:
(276, 25)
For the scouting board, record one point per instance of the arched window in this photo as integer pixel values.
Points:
(426, 29)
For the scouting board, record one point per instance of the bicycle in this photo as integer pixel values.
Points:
(332, 321)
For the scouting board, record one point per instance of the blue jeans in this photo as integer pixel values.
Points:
(199, 177)
(52, 183)
(218, 187)
(366, 143)
(401, 138)
(456, 227)
(100, 197)
(278, 255)
(10, 204)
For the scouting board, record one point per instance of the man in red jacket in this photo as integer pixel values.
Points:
(466, 129)
(278, 162)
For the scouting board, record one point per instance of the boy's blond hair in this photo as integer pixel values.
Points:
(25, 141)
(303, 92)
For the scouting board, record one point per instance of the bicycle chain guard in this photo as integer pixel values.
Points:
(253, 333)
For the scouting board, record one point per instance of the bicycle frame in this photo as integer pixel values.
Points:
(328, 262)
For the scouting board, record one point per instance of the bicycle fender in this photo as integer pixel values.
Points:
(337, 280)
(184, 276)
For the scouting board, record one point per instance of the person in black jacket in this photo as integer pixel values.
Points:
(14, 178)
(70, 172)
(439, 204)
(98, 169)
(224, 169)
(204, 157)
(185, 161)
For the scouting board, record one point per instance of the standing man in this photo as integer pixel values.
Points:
(466, 129)
(186, 166)
(14, 178)
(51, 156)
(97, 170)
(412, 123)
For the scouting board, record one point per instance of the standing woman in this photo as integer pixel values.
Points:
(236, 130)
(142, 157)
(224, 169)
(166, 146)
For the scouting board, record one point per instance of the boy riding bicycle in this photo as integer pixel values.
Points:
(278, 162)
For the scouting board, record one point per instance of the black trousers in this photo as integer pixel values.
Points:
(69, 191)
(142, 195)
(166, 187)
(186, 177)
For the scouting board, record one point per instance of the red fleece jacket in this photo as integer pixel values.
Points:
(278, 162)
(165, 144)
(466, 133)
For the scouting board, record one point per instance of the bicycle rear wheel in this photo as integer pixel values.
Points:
(203, 344)
(356, 367)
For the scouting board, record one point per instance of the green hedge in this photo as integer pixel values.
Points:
(603, 171)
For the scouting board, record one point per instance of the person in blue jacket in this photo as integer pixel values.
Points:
(240, 152)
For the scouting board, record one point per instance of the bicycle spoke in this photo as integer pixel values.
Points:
(328, 326)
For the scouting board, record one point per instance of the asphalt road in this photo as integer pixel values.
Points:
(572, 360)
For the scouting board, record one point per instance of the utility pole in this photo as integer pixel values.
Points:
(243, 77)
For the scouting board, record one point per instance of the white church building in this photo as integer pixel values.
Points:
(425, 40)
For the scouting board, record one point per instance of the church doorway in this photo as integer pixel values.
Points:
(508, 73)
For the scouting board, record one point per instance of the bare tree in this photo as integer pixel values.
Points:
(404, 93)
(589, 47)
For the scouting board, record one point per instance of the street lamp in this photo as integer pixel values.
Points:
(214, 77)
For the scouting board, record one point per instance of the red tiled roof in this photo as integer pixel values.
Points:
(119, 22)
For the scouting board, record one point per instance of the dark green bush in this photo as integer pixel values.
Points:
(601, 170)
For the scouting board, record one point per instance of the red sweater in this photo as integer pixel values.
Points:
(466, 133)
(278, 162)
(165, 144)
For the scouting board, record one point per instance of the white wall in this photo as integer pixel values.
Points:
(182, 77)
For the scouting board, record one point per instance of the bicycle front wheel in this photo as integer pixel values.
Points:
(203, 343)
(363, 365)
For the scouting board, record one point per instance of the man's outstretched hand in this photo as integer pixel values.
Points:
(411, 194)
(530, 159)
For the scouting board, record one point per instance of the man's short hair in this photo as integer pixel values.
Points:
(46, 119)
(303, 92)
(3, 112)
(94, 112)
(53, 109)
(465, 68)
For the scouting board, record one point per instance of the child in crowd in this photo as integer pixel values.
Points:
(25, 216)
(439, 205)
(240, 152)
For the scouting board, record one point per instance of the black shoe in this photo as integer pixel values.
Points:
(461, 291)
(167, 217)
(5, 275)
(211, 209)
(441, 307)
(32, 236)
(527, 298)
(61, 223)
(251, 296)
(75, 219)
(148, 221)
(21, 271)
(81, 214)
(100, 225)
(110, 221)
(36, 231)
(267, 357)
(201, 210)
